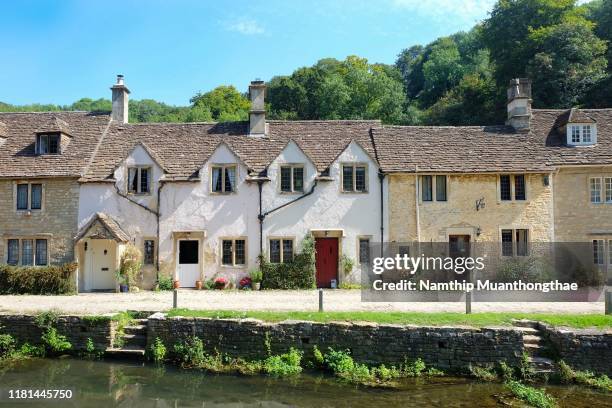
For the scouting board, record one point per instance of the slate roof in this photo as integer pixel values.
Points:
(111, 226)
(183, 148)
(17, 156)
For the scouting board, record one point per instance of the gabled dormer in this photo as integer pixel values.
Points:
(52, 138)
(581, 129)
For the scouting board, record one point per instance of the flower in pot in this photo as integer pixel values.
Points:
(256, 277)
(122, 280)
(245, 283)
(220, 283)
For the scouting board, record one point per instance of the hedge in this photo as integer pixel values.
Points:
(297, 274)
(37, 280)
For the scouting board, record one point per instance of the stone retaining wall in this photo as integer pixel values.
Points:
(582, 349)
(77, 330)
(443, 347)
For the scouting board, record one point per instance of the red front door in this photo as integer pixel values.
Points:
(326, 261)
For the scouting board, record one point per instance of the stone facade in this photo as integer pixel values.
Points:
(56, 221)
(459, 216)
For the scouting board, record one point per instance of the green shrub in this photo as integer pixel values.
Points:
(533, 396)
(56, 343)
(158, 351)
(525, 369)
(190, 352)
(384, 374)
(297, 274)
(339, 361)
(506, 372)
(7, 345)
(568, 375)
(318, 357)
(256, 275)
(483, 373)
(31, 350)
(37, 280)
(413, 369)
(165, 283)
(284, 365)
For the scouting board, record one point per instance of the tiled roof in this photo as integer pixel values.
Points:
(579, 116)
(111, 228)
(17, 156)
(183, 148)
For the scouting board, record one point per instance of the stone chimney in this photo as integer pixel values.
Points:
(519, 104)
(257, 114)
(120, 101)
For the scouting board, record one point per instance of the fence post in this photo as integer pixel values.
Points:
(468, 302)
(320, 300)
(608, 296)
(175, 299)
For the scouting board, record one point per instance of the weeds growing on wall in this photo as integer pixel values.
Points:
(37, 280)
(296, 274)
(567, 375)
(158, 351)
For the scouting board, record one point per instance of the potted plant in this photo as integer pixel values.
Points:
(256, 278)
(198, 285)
(176, 284)
(220, 283)
(122, 281)
(129, 268)
(245, 283)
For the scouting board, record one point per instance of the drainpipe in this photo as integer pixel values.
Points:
(260, 217)
(158, 216)
(381, 178)
(416, 204)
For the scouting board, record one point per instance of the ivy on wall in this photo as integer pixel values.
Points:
(296, 274)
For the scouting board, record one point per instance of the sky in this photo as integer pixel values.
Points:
(60, 51)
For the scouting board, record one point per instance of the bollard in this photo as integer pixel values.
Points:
(175, 299)
(608, 295)
(468, 303)
(320, 300)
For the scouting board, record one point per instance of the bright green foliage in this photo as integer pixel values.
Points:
(31, 350)
(55, 342)
(285, 365)
(158, 351)
(533, 396)
(414, 368)
(164, 283)
(506, 372)
(318, 357)
(190, 352)
(297, 274)
(37, 280)
(483, 373)
(90, 347)
(46, 319)
(7, 345)
(224, 103)
(568, 376)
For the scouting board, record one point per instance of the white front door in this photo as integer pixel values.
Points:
(100, 264)
(189, 263)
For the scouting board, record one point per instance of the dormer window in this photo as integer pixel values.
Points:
(139, 180)
(581, 134)
(48, 143)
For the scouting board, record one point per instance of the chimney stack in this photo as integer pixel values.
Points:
(257, 114)
(120, 109)
(519, 104)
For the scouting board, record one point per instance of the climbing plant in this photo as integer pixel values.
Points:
(299, 273)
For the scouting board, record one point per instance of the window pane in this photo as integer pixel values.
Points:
(227, 252)
(240, 252)
(609, 189)
(43, 144)
(36, 196)
(298, 179)
(364, 251)
(287, 250)
(506, 236)
(275, 254)
(610, 252)
(522, 242)
(27, 253)
(230, 179)
(144, 180)
(286, 179)
(586, 134)
(596, 190)
(217, 185)
(22, 196)
(598, 251)
(440, 188)
(575, 134)
(13, 252)
(360, 178)
(504, 187)
(41, 252)
(347, 178)
(519, 187)
(132, 180)
(54, 144)
(426, 193)
(149, 251)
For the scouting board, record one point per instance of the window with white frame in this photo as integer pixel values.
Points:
(139, 180)
(27, 251)
(581, 134)
(515, 242)
(512, 187)
(48, 143)
(29, 196)
(598, 251)
(292, 178)
(595, 189)
(608, 189)
(281, 250)
(433, 188)
(354, 178)
(223, 179)
(233, 252)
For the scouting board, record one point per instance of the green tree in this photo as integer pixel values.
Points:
(224, 103)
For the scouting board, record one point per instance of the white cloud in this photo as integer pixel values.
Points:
(462, 11)
(245, 26)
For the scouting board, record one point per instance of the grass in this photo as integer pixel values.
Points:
(533, 396)
(421, 319)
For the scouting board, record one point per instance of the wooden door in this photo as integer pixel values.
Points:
(326, 261)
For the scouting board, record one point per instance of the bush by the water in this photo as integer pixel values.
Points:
(37, 280)
(533, 396)
(299, 273)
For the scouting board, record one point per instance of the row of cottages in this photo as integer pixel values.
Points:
(206, 199)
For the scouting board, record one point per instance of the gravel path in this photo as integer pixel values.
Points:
(303, 300)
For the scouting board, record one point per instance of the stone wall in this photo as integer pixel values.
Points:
(77, 329)
(582, 349)
(56, 221)
(443, 347)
